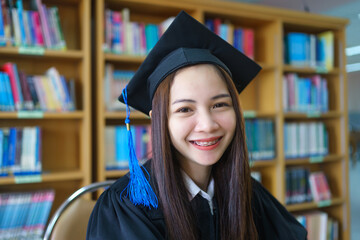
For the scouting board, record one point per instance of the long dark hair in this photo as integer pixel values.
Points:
(231, 173)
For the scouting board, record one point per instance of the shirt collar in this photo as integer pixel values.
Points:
(194, 189)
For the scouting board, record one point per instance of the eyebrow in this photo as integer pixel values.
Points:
(223, 95)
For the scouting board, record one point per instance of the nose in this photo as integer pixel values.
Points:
(206, 122)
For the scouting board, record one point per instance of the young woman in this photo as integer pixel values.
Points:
(199, 173)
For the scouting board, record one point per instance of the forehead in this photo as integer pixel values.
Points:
(202, 79)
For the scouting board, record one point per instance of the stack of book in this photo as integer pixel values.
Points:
(49, 92)
(114, 82)
(123, 36)
(310, 50)
(20, 150)
(320, 225)
(309, 94)
(37, 27)
(305, 139)
(117, 150)
(260, 138)
(24, 215)
(305, 186)
(243, 39)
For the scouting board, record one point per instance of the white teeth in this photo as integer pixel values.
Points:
(204, 144)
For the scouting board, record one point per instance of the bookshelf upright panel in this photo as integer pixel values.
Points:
(65, 134)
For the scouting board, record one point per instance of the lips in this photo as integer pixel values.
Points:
(206, 144)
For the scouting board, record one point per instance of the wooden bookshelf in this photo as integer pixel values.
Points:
(261, 99)
(66, 136)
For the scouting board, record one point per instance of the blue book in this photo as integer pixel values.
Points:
(9, 95)
(20, 11)
(5, 152)
(224, 31)
(2, 28)
(68, 101)
(1, 149)
(3, 99)
(296, 48)
(121, 147)
(17, 79)
(31, 27)
(209, 23)
(320, 52)
(38, 150)
(12, 148)
(238, 39)
(307, 94)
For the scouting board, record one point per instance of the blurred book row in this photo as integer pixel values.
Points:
(122, 36)
(24, 215)
(116, 145)
(48, 92)
(320, 225)
(305, 139)
(310, 50)
(20, 151)
(309, 94)
(260, 139)
(39, 26)
(305, 186)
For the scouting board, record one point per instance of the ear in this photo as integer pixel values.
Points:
(150, 113)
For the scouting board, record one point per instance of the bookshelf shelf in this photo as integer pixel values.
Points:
(313, 115)
(307, 70)
(42, 115)
(314, 160)
(263, 163)
(45, 177)
(266, 66)
(315, 205)
(115, 173)
(122, 115)
(124, 58)
(262, 99)
(43, 53)
(248, 114)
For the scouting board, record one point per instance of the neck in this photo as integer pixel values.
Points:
(200, 175)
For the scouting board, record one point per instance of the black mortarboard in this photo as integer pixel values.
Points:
(186, 42)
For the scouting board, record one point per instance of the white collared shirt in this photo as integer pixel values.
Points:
(194, 189)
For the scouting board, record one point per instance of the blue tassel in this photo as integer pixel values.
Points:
(139, 190)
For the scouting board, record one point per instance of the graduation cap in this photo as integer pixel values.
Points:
(186, 42)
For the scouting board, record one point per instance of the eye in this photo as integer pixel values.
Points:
(221, 104)
(183, 110)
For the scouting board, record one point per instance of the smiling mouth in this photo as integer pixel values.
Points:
(206, 143)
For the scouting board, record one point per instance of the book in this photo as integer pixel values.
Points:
(319, 186)
(296, 48)
(38, 6)
(28, 102)
(20, 19)
(11, 70)
(39, 38)
(325, 52)
(2, 27)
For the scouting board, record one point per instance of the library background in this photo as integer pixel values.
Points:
(64, 62)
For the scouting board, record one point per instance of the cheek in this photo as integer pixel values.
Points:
(179, 129)
(228, 121)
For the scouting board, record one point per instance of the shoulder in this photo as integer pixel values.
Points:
(271, 217)
(116, 217)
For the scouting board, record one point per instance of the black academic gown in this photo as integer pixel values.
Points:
(115, 217)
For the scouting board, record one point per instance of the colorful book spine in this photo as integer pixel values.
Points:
(21, 150)
(260, 139)
(298, 136)
(2, 27)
